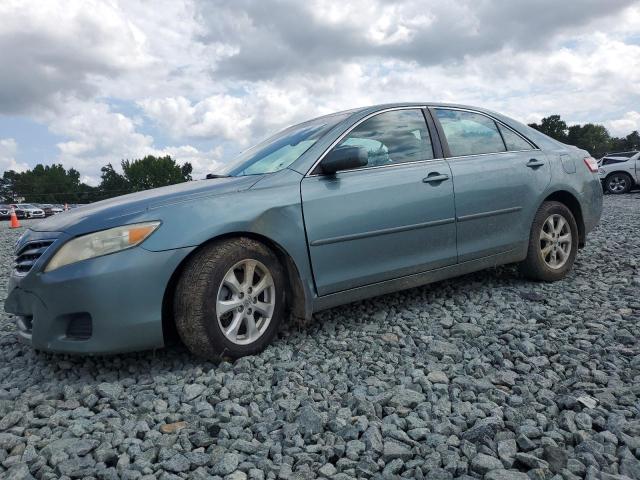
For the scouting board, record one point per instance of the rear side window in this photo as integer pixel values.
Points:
(514, 141)
(397, 136)
(469, 133)
(611, 161)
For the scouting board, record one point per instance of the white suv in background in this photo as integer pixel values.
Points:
(619, 172)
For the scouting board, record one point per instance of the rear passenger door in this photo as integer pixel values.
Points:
(499, 177)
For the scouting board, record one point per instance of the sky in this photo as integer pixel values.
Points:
(85, 83)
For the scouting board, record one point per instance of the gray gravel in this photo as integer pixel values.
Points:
(485, 376)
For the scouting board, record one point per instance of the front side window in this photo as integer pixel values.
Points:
(469, 133)
(514, 141)
(397, 136)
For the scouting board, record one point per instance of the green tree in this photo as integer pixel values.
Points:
(153, 172)
(6, 186)
(552, 126)
(621, 144)
(593, 138)
(47, 184)
(633, 141)
(112, 183)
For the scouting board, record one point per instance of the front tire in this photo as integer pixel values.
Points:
(553, 243)
(230, 299)
(618, 183)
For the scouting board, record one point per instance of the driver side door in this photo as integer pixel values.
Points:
(391, 218)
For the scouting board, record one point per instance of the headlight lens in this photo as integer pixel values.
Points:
(101, 243)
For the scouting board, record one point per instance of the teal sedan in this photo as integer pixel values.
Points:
(337, 209)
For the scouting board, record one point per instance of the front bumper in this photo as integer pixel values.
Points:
(119, 295)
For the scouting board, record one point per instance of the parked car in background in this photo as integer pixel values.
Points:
(45, 208)
(31, 211)
(20, 212)
(337, 209)
(619, 172)
(49, 209)
(5, 212)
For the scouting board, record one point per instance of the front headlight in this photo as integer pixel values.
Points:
(101, 243)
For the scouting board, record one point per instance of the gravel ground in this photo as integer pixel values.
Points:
(485, 376)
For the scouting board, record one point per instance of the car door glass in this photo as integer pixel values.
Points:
(469, 133)
(514, 141)
(611, 161)
(397, 136)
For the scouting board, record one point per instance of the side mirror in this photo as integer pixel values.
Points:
(344, 157)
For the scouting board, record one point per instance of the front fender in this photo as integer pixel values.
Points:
(271, 209)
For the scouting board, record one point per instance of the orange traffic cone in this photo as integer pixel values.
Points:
(14, 219)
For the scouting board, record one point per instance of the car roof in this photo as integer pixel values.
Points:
(628, 154)
(382, 106)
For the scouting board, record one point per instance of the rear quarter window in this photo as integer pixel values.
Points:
(513, 141)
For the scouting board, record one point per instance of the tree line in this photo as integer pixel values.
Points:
(57, 185)
(591, 137)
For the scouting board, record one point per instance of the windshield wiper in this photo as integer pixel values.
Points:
(215, 175)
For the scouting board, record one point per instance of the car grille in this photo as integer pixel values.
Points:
(29, 253)
(79, 327)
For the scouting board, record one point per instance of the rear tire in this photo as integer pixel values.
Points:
(221, 312)
(553, 243)
(618, 183)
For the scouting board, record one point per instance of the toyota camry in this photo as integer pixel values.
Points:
(336, 209)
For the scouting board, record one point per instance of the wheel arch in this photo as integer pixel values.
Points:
(624, 172)
(296, 300)
(571, 201)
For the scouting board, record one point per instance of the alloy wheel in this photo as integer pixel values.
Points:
(245, 302)
(617, 184)
(555, 241)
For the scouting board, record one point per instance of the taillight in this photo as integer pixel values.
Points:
(591, 163)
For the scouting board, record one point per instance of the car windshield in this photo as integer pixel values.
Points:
(282, 149)
(25, 205)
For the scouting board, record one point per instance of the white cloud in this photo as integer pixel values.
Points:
(98, 136)
(52, 50)
(230, 73)
(203, 162)
(239, 118)
(628, 123)
(8, 149)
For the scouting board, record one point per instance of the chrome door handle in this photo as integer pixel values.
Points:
(534, 163)
(435, 177)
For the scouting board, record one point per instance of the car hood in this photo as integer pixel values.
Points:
(119, 210)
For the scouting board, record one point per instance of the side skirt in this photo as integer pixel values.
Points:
(417, 279)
